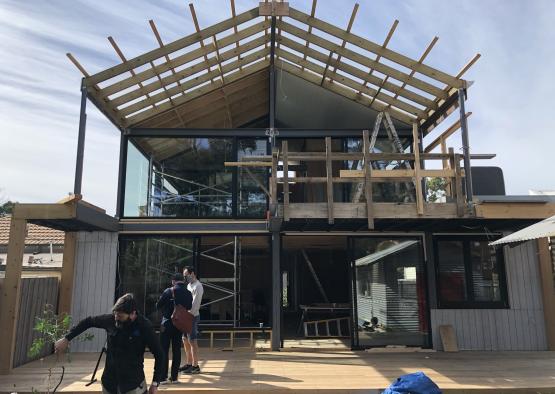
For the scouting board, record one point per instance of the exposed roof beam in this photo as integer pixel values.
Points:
(420, 60)
(377, 49)
(312, 13)
(345, 92)
(197, 81)
(361, 59)
(349, 82)
(247, 70)
(349, 27)
(185, 58)
(171, 47)
(188, 72)
(356, 72)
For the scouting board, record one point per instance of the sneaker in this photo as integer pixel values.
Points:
(184, 367)
(164, 381)
(194, 370)
(187, 370)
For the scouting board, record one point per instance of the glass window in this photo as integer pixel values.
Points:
(470, 273)
(136, 182)
(251, 198)
(234, 270)
(451, 281)
(187, 178)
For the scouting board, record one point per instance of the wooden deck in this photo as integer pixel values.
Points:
(329, 369)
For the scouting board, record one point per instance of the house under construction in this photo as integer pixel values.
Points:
(284, 158)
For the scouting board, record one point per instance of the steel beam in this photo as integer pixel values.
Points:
(81, 142)
(465, 146)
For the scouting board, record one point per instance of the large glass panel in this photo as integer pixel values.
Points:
(485, 271)
(452, 280)
(251, 198)
(187, 178)
(390, 292)
(146, 266)
(235, 272)
(193, 181)
(136, 182)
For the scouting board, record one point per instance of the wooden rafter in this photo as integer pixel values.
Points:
(385, 43)
(312, 13)
(356, 72)
(183, 59)
(203, 105)
(349, 27)
(161, 44)
(348, 93)
(348, 82)
(172, 47)
(377, 49)
(365, 61)
(189, 71)
(197, 81)
(131, 96)
(247, 70)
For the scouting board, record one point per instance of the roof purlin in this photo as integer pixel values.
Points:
(132, 107)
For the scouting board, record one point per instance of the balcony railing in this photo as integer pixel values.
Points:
(410, 170)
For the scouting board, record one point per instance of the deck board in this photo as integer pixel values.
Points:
(329, 369)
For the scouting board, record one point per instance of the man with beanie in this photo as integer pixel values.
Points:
(129, 333)
(177, 294)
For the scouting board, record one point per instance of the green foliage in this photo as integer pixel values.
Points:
(51, 327)
(6, 207)
(436, 189)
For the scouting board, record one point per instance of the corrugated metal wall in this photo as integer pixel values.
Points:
(519, 328)
(35, 294)
(94, 283)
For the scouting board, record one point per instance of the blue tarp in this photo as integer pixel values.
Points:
(413, 383)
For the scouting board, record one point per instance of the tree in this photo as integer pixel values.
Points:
(6, 208)
(436, 189)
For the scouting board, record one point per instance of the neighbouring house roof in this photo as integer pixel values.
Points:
(36, 235)
(543, 229)
(218, 76)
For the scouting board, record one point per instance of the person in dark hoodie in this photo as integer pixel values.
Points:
(176, 294)
(128, 334)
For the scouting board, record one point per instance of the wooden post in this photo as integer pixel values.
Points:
(418, 178)
(285, 150)
(68, 269)
(9, 308)
(548, 291)
(329, 180)
(367, 179)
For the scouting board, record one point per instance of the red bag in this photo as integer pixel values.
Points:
(181, 318)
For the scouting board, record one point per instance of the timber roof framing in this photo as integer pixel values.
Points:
(215, 63)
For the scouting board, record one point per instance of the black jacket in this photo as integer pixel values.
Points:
(166, 302)
(124, 367)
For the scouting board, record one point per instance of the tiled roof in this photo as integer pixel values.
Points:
(36, 235)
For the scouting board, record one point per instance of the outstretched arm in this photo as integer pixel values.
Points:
(101, 321)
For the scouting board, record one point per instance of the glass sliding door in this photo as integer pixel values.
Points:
(389, 292)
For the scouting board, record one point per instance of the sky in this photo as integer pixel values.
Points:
(511, 98)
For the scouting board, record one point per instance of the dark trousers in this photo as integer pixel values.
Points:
(170, 334)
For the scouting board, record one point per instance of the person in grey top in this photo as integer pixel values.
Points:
(190, 340)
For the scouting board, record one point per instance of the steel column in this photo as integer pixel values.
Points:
(81, 142)
(272, 109)
(121, 175)
(276, 289)
(465, 146)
